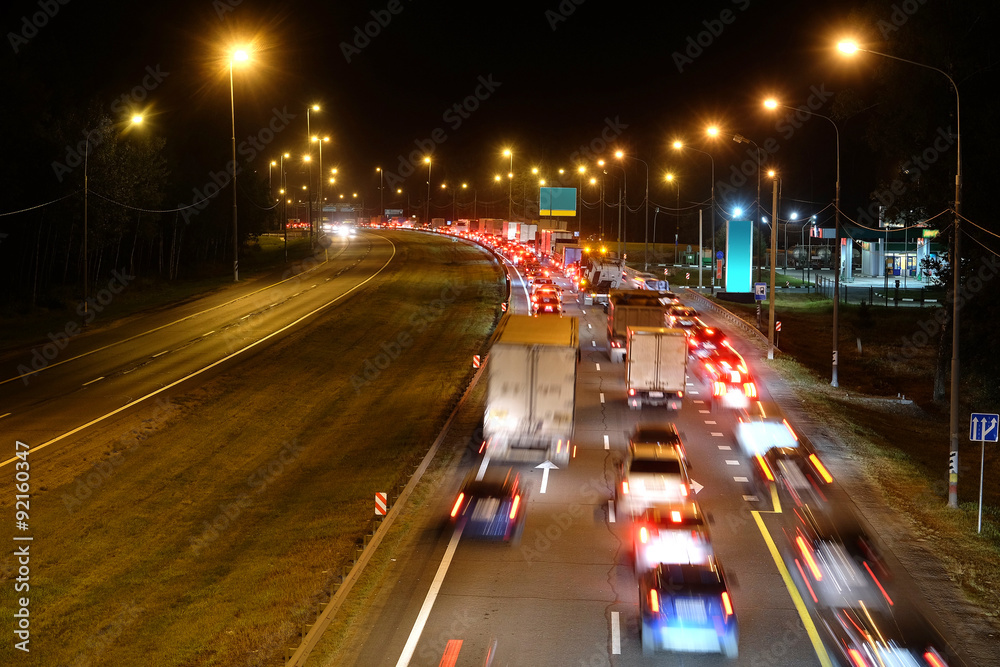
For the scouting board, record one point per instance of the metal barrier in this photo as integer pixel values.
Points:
(732, 318)
(893, 295)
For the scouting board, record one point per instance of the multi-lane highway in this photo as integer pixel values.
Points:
(567, 593)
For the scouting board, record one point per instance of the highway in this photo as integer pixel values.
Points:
(567, 593)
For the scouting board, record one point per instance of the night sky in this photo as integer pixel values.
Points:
(546, 79)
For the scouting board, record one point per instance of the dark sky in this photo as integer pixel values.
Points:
(561, 73)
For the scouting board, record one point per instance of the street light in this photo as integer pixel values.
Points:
(320, 142)
(679, 146)
(774, 261)
(427, 217)
(581, 169)
(314, 107)
(381, 199)
(283, 189)
(510, 181)
(773, 104)
(238, 55)
(850, 47)
(621, 155)
(136, 120)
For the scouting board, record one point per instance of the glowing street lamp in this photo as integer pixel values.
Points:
(309, 139)
(241, 56)
(320, 142)
(507, 152)
(427, 217)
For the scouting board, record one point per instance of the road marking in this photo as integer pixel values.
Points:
(159, 354)
(425, 609)
(616, 640)
(589, 326)
(710, 422)
(731, 462)
(716, 434)
(800, 606)
(602, 397)
(725, 448)
(482, 468)
(775, 501)
(751, 499)
(208, 334)
(695, 392)
(93, 381)
(246, 316)
(10, 413)
(593, 343)
(598, 366)
(611, 511)
(698, 401)
(705, 412)
(607, 443)
(741, 480)
(690, 384)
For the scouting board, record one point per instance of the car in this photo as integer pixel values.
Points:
(543, 303)
(539, 282)
(863, 637)
(682, 317)
(491, 506)
(654, 470)
(729, 380)
(704, 340)
(687, 608)
(837, 561)
(675, 533)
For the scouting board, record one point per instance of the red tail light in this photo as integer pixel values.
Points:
(514, 506)
(750, 389)
(810, 560)
(933, 660)
(856, 658)
(458, 504)
(684, 489)
(631, 392)
(727, 605)
(820, 468)
(675, 516)
(764, 468)
(654, 602)
(625, 487)
(644, 535)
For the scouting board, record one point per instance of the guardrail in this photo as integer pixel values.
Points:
(731, 317)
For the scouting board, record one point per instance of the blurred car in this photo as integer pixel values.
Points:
(863, 637)
(683, 317)
(704, 340)
(543, 303)
(687, 608)
(539, 282)
(837, 561)
(732, 388)
(670, 534)
(491, 508)
(654, 470)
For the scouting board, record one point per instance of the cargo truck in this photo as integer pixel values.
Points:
(656, 368)
(600, 277)
(531, 389)
(633, 308)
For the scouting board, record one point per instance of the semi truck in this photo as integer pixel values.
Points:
(656, 368)
(633, 308)
(531, 389)
(600, 277)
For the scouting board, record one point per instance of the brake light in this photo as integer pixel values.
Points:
(644, 535)
(684, 489)
(631, 392)
(514, 506)
(750, 389)
(625, 486)
(719, 388)
(766, 469)
(654, 602)
(932, 659)
(789, 427)
(675, 516)
(856, 658)
(458, 504)
(807, 555)
(827, 477)
(727, 605)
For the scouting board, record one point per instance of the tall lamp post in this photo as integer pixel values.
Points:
(621, 155)
(773, 104)
(579, 220)
(309, 139)
(320, 142)
(137, 119)
(239, 55)
(282, 189)
(849, 48)
(678, 146)
(427, 217)
(774, 261)
(510, 182)
(381, 198)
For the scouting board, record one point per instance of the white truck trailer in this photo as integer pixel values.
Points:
(531, 389)
(633, 308)
(656, 369)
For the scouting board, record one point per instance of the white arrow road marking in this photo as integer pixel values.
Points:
(696, 486)
(546, 466)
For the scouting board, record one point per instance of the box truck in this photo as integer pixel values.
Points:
(656, 367)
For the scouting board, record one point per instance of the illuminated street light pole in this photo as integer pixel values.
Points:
(320, 142)
(312, 238)
(510, 182)
(283, 190)
(381, 198)
(850, 47)
(678, 146)
(241, 56)
(773, 104)
(774, 261)
(427, 217)
(620, 155)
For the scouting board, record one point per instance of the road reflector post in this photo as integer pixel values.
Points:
(380, 504)
(476, 361)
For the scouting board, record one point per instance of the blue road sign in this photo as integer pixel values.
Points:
(983, 427)
(719, 255)
(759, 291)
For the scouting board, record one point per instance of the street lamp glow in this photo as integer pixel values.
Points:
(678, 144)
(619, 154)
(770, 103)
(771, 173)
(315, 107)
(240, 55)
(333, 170)
(541, 181)
(496, 178)
(427, 160)
(593, 181)
(582, 169)
(669, 178)
(465, 185)
(847, 46)
(136, 119)
(737, 212)
(506, 152)
(712, 131)
(534, 170)
(793, 216)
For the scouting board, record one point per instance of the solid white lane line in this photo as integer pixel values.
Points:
(425, 609)
(159, 354)
(93, 381)
(616, 640)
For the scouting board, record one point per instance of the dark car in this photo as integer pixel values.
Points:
(491, 508)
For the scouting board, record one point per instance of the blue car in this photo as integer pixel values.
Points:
(687, 608)
(491, 508)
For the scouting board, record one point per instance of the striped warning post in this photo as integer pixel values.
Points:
(476, 361)
(380, 503)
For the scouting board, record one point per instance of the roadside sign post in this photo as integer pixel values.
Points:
(983, 427)
(777, 333)
(759, 293)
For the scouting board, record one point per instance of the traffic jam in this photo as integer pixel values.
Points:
(685, 599)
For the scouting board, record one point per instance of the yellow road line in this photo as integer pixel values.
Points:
(800, 605)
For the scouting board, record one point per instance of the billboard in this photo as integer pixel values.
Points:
(739, 256)
(557, 201)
